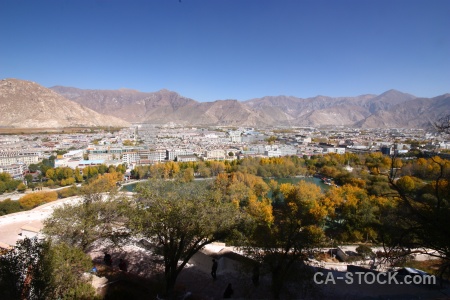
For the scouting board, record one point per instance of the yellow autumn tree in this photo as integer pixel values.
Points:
(35, 199)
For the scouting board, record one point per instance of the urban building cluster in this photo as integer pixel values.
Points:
(145, 144)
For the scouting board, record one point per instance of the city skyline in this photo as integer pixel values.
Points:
(216, 50)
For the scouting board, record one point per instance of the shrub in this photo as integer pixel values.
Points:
(21, 187)
(35, 199)
(68, 192)
(9, 206)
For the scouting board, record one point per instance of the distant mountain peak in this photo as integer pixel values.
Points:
(26, 104)
(396, 92)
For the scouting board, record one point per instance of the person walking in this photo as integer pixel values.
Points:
(214, 269)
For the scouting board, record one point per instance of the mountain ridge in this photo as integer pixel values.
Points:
(164, 106)
(29, 104)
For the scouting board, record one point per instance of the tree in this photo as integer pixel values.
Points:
(296, 229)
(180, 219)
(100, 217)
(3, 187)
(186, 175)
(29, 178)
(421, 214)
(40, 269)
(33, 200)
(21, 187)
(364, 251)
(9, 206)
(128, 143)
(270, 140)
(33, 167)
(353, 214)
(67, 266)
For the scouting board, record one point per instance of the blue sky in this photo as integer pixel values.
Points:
(230, 49)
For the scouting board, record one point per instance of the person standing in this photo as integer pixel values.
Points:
(214, 269)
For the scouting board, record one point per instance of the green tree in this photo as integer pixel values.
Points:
(21, 187)
(180, 219)
(9, 206)
(3, 187)
(100, 216)
(364, 251)
(33, 167)
(29, 178)
(38, 269)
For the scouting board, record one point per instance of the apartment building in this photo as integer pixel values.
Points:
(14, 157)
(130, 157)
(174, 153)
(235, 136)
(186, 158)
(215, 154)
(156, 155)
(15, 170)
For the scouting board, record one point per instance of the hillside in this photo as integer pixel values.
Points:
(26, 104)
(419, 113)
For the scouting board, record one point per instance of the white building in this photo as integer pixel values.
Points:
(334, 150)
(215, 154)
(235, 136)
(273, 153)
(15, 157)
(157, 155)
(186, 158)
(15, 170)
(172, 154)
(130, 157)
(73, 154)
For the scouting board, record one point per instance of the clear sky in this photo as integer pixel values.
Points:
(230, 49)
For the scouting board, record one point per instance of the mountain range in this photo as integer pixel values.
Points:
(392, 109)
(27, 104)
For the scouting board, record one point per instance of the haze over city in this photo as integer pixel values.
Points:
(210, 50)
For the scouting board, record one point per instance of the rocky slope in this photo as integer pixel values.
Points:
(25, 104)
(418, 113)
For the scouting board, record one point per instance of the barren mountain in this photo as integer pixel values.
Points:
(323, 110)
(25, 104)
(418, 113)
(164, 106)
(390, 109)
(130, 105)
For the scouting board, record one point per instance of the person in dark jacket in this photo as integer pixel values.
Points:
(214, 269)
